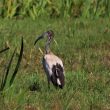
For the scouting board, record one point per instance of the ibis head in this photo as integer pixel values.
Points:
(49, 34)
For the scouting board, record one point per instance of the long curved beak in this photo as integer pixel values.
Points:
(40, 37)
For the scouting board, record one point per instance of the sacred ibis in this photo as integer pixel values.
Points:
(52, 64)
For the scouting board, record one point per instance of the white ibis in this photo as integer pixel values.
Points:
(52, 64)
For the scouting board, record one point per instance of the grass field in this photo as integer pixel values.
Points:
(83, 45)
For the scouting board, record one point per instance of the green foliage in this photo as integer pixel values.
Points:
(54, 8)
(84, 47)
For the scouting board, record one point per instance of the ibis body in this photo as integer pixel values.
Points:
(52, 64)
(54, 70)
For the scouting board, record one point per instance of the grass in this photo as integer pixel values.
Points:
(83, 45)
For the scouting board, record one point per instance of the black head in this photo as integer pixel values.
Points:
(49, 34)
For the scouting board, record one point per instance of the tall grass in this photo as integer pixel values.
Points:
(54, 8)
(83, 45)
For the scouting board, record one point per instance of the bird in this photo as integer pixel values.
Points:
(52, 64)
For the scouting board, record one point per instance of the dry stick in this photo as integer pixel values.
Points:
(18, 63)
(7, 72)
(4, 50)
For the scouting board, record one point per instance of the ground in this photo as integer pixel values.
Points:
(84, 47)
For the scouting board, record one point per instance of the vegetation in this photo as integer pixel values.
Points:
(54, 8)
(82, 29)
(85, 51)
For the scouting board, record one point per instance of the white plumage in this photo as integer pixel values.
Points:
(52, 64)
(51, 60)
(54, 69)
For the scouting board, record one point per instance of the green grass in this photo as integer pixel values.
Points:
(83, 45)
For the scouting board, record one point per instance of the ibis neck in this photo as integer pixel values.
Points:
(47, 47)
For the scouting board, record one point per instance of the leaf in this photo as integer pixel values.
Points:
(7, 72)
(32, 14)
(4, 50)
(18, 63)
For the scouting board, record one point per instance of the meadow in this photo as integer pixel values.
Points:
(83, 45)
(82, 32)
